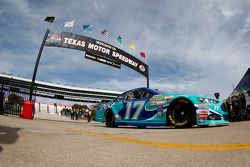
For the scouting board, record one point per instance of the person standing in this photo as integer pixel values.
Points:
(77, 114)
(72, 114)
(89, 115)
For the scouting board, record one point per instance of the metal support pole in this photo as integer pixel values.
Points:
(2, 86)
(37, 63)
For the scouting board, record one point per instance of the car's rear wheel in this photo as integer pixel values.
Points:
(203, 126)
(181, 113)
(109, 119)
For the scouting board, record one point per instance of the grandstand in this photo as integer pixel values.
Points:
(53, 94)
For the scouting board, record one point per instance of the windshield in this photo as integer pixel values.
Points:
(158, 91)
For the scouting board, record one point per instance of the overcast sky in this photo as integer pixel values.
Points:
(192, 46)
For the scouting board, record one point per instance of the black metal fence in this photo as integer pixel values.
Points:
(12, 109)
(1, 102)
(7, 107)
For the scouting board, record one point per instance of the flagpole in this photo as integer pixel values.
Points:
(72, 25)
(52, 25)
(148, 78)
(134, 51)
(146, 60)
(121, 43)
(147, 63)
(119, 39)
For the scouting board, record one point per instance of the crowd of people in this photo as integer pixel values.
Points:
(237, 108)
(77, 114)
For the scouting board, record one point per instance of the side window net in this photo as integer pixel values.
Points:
(120, 97)
(130, 96)
(146, 95)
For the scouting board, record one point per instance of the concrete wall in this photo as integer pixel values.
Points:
(48, 108)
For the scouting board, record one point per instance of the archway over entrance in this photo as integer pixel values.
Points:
(95, 50)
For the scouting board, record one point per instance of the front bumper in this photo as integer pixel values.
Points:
(213, 119)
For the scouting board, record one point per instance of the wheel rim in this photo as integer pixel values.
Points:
(180, 113)
(109, 119)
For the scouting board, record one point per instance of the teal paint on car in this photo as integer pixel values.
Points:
(143, 107)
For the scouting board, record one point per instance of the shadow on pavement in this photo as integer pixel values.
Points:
(162, 127)
(8, 135)
(66, 121)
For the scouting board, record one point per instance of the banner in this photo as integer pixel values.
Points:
(103, 60)
(96, 47)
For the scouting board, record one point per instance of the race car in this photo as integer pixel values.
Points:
(143, 107)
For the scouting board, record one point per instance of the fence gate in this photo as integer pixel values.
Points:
(1, 102)
(11, 98)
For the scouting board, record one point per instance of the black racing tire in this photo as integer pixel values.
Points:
(109, 119)
(181, 113)
(141, 127)
(203, 126)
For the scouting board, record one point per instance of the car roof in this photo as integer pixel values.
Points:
(152, 91)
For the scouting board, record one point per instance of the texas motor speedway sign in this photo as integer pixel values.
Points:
(96, 47)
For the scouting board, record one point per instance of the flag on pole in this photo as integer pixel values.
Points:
(105, 33)
(50, 19)
(69, 23)
(143, 54)
(119, 39)
(87, 27)
(132, 46)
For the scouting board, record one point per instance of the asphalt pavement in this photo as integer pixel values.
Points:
(58, 141)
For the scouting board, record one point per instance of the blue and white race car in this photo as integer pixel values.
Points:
(143, 107)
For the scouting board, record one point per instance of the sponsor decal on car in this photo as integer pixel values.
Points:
(159, 100)
(159, 113)
(202, 114)
(202, 111)
(168, 98)
(117, 117)
(106, 106)
(153, 103)
(203, 107)
(201, 120)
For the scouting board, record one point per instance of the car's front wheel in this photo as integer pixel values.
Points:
(181, 113)
(141, 127)
(109, 119)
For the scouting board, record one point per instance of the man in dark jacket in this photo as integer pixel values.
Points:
(89, 114)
